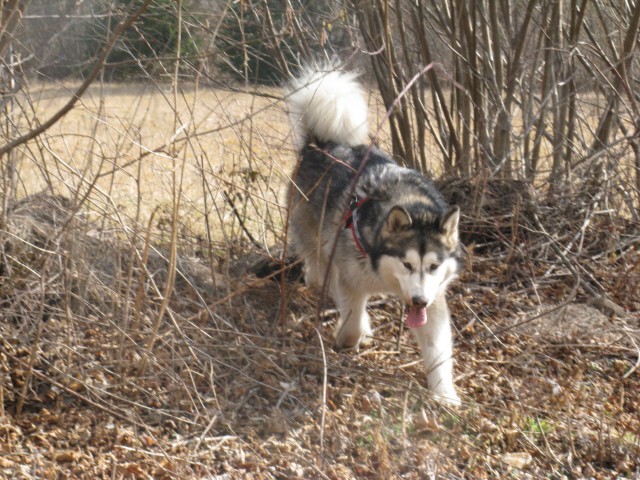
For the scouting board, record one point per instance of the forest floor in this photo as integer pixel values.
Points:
(112, 367)
(234, 376)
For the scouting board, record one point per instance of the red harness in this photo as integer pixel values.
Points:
(351, 222)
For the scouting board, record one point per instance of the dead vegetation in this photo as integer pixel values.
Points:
(96, 385)
(136, 340)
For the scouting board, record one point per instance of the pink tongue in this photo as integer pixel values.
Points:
(416, 317)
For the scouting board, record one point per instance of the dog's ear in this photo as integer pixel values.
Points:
(449, 226)
(397, 220)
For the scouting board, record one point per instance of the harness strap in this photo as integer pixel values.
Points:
(351, 222)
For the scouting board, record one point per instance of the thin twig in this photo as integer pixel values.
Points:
(325, 374)
(44, 126)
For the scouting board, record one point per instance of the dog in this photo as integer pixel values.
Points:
(367, 224)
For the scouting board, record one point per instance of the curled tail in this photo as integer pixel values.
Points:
(328, 106)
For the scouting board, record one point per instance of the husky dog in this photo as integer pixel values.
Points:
(392, 234)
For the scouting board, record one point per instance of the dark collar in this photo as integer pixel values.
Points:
(351, 221)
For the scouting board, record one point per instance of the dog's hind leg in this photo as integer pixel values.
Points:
(354, 324)
(311, 273)
(315, 269)
(435, 342)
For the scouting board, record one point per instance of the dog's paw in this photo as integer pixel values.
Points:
(343, 343)
(349, 338)
(366, 340)
(352, 343)
(449, 397)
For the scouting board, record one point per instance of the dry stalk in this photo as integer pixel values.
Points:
(324, 394)
(33, 355)
(176, 195)
(35, 344)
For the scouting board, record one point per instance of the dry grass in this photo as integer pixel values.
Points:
(130, 136)
(106, 373)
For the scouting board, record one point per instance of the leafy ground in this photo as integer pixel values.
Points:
(233, 375)
(105, 372)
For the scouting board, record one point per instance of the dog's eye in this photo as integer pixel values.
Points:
(434, 267)
(408, 266)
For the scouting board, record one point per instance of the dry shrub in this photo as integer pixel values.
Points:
(224, 389)
(136, 343)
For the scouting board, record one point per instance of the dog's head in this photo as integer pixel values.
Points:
(418, 255)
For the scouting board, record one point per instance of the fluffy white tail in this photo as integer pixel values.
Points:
(328, 105)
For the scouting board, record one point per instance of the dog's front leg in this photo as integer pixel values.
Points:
(435, 342)
(354, 324)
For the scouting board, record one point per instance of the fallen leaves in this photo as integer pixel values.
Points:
(67, 456)
(531, 395)
(518, 460)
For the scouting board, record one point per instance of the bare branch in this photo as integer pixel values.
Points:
(120, 28)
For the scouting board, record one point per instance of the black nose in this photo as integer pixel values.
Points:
(418, 301)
